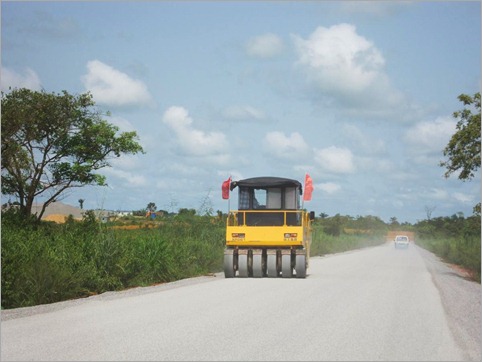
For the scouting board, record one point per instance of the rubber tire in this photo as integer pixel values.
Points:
(300, 266)
(243, 265)
(257, 265)
(286, 270)
(229, 271)
(272, 267)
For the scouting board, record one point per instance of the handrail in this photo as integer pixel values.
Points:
(267, 218)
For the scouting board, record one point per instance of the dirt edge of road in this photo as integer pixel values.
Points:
(463, 314)
(8, 314)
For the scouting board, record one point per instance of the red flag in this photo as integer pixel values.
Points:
(225, 188)
(308, 188)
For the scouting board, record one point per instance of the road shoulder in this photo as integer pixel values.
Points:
(461, 299)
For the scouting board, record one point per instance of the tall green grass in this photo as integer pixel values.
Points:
(455, 239)
(465, 252)
(45, 263)
(323, 243)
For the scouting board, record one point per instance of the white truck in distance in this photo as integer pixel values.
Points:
(401, 241)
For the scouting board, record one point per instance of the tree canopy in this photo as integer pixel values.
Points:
(151, 206)
(53, 142)
(463, 149)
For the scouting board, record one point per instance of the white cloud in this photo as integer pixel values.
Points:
(437, 194)
(335, 159)
(264, 46)
(329, 187)
(243, 113)
(463, 198)
(346, 66)
(112, 87)
(282, 146)
(368, 143)
(123, 124)
(29, 79)
(193, 141)
(376, 165)
(127, 162)
(133, 179)
(340, 58)
(431, 136)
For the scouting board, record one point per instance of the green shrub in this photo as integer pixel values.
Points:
(460, 251)
(327, 243)
(45, 262)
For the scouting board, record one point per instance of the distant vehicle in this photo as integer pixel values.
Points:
(401, 241)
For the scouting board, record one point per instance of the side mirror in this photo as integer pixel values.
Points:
(312, 215)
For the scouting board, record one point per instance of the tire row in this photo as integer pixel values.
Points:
(271, 263)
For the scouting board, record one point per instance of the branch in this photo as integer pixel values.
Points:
(51, 199)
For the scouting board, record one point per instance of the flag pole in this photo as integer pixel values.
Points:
(229, 195)
(303, 198)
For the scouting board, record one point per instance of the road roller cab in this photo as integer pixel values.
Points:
(269, 235)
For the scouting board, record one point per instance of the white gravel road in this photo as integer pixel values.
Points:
(375, 304)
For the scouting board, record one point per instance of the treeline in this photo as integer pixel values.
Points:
(44, 262)
(455, 239)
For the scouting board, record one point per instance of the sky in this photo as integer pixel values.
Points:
(359, 95)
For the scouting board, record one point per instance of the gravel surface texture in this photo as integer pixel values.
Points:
(461, 301)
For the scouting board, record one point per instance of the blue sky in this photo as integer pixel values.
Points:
(360, 95)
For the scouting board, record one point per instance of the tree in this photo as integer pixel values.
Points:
(323, 215)
(55, 142)
(429, 210)
(186, 213)
(151, 206)
(463, 149)
(333, 225)
(81, 202)
(394, 222)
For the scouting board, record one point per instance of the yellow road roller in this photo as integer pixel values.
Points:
(269, 235)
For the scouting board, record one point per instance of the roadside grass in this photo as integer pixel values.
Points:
(47, 262)
(323, 243)
(462, 251)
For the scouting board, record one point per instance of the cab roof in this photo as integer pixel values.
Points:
(266, 181)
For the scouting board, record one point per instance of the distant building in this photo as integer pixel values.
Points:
(123, 213)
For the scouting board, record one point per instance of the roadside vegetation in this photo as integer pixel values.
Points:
(455, 239)
(54, 142)
(45, 262)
